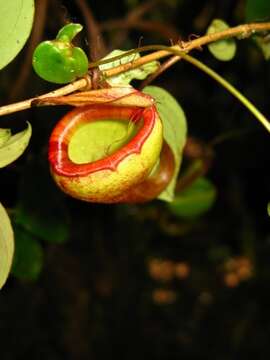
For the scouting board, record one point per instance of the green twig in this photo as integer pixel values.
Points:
(230, 88)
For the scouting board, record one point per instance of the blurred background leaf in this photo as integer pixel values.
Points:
(263, 42)
(41, 209)
(28, 256)
(257, 10)
(195, 200)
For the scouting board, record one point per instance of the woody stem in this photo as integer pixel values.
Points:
(242, 31)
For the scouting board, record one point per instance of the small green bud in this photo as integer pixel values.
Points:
(59, 61)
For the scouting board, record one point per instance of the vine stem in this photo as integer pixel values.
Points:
(230, 88)
(241, 31)
(26, 104)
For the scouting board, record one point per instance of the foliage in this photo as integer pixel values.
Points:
(40, 209)
(58, 61)
(223, 50)
(185, 259)
(125, 78)
(28, 257)
(197, 199)
(11, 147)
(15, 27)
(257, 10)
(174, 129)
(6, 245)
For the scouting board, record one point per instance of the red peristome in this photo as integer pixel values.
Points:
(66, 127)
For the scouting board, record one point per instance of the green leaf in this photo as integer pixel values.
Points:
(15, 27)
(268, 209)
(257, 10)
(59, 61)
(6, 246)
(263, 42)
(5, 134)
(41, 209)
(174, 130)
(223, 50)
(13, 147)
(125, 78)
(194, 201)
(28, 257)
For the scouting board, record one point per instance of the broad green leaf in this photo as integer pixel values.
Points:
(223, 50)
(6, 246)
(268, 209)
(15, 27)
(257, 10)
(174, 130)
(5, 134)
(125, 78)
(41, 209)
(194, 201)
(11, 149)
(28, 256)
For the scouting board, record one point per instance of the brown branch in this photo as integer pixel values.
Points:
(242, 31)
(201, 156)
(97, 48)
(140, 10)
(163, 67)
(132, 17)
(26, 104)
(186, 180)
(165, 30)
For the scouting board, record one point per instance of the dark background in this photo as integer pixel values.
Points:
(109, 285)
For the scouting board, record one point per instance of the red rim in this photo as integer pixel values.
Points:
(66, 127)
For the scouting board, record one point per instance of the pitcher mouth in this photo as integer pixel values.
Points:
(60, 145)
